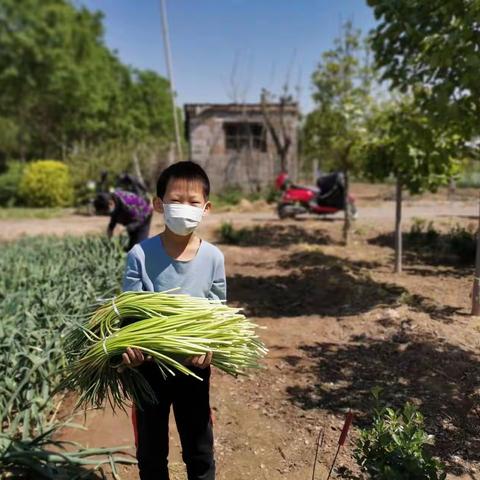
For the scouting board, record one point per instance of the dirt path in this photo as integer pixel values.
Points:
(375, 203)
(338, 323)
(81, 225)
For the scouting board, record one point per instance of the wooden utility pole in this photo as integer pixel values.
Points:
(168, 58)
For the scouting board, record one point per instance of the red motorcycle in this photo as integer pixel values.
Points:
(327, 198)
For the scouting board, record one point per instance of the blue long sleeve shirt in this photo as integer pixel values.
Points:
(149, 268)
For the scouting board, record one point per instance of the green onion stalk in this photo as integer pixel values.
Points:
(166, 326)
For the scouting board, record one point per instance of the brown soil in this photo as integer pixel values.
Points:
(338, 323)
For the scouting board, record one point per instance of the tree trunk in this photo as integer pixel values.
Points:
(348, 220)
(136, 167)
(398, 227)
(476, 280)
(452, 186)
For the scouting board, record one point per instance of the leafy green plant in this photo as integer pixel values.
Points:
(459, 242)
(462, 242)
(45, 284)
(393, 448)
(46, 183)
(423, 233)
(272, 195)
(9, 182)
(229, 234)
(232, 196)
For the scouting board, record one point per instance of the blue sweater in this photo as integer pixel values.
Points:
(149, 268)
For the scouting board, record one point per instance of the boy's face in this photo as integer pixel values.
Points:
(181, 191)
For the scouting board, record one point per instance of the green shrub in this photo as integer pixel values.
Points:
(459, 243)
(9, 183)
(462, 242)
(393, 448)
(235, 236)
(46, 183)
(272, 195)
(229, 234)
(423, 233)
(229, 196)
(232, 196)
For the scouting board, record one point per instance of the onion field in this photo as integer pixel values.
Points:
(46, 283)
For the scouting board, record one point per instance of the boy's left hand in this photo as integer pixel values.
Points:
(200, 361)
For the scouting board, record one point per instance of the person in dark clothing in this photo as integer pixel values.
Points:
(130, 183)
(128, 209)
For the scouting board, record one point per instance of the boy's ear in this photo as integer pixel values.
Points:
(207, 208)
(157, 204)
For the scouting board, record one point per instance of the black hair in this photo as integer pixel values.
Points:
(187, 170)
(101, 202)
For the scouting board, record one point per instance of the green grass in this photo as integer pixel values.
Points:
(12, 213)
(232, 196)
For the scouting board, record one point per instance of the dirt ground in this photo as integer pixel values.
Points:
(338, 323)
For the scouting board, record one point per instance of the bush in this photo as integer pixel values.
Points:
(232, 196)
(394, 447)
(46, 183)
(423, 233)
(9, 183)
(229, 234)
(463, 243)
(238, 236)
(458, 243)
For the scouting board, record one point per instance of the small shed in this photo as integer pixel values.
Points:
(235, 145)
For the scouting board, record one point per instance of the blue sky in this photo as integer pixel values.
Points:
(265, 39)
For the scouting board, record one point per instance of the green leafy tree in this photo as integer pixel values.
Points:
(61, 86)
(334, 129)
(51, 63)
(432, 49)
(402, 143)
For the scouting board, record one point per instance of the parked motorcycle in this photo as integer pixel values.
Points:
(326, 199)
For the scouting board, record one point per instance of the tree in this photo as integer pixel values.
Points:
(432, 49)
(403, 143)
(334, 130)
(277, 125)
(61, 86)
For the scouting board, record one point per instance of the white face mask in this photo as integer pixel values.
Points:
(182, 219)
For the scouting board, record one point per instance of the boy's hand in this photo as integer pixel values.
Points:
(200, 361)
(133, 358)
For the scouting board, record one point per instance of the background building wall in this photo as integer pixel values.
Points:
(248, 169)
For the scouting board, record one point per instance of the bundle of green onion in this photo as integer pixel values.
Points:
(168, 327)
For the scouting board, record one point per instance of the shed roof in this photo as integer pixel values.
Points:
(193, 109)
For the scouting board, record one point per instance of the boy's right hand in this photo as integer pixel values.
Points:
(133, 358)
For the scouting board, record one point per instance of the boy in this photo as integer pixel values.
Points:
(128, 209)
(177, 258)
